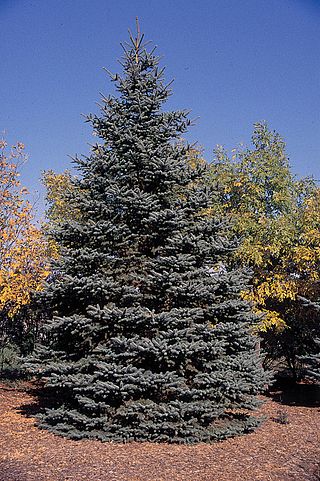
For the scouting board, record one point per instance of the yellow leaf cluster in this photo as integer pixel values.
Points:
(269, 320)
(275, 287)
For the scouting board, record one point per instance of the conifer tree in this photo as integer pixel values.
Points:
(311, 361)
(149, 337)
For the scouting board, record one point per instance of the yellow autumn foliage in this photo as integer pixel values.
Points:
(23, 250)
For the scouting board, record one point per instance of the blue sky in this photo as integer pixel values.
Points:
(234, 63)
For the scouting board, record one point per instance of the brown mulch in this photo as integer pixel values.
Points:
(275, 452)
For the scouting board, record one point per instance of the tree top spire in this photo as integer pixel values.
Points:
(136, 41)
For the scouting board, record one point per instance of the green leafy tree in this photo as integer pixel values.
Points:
(61, 202)
(277, 218)
(59, 195)
(149, 337)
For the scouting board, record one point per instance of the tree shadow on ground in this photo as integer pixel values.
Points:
(42, 399)
(286, 391)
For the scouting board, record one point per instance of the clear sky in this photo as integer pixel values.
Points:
(235, 62)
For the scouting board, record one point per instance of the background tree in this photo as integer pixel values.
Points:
(277, 217)
(23, 255)
(149, 337)
(59, 190)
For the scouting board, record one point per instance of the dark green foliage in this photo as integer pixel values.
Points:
(9, 358)
(149, 336)
(17, 339)
(312, 360)
(294, 342)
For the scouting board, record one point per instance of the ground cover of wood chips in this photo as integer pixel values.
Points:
(275, 452)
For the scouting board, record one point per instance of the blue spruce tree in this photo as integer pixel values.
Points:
(149, 338)
(311, 361)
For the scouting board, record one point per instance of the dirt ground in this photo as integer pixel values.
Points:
(275, 452)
